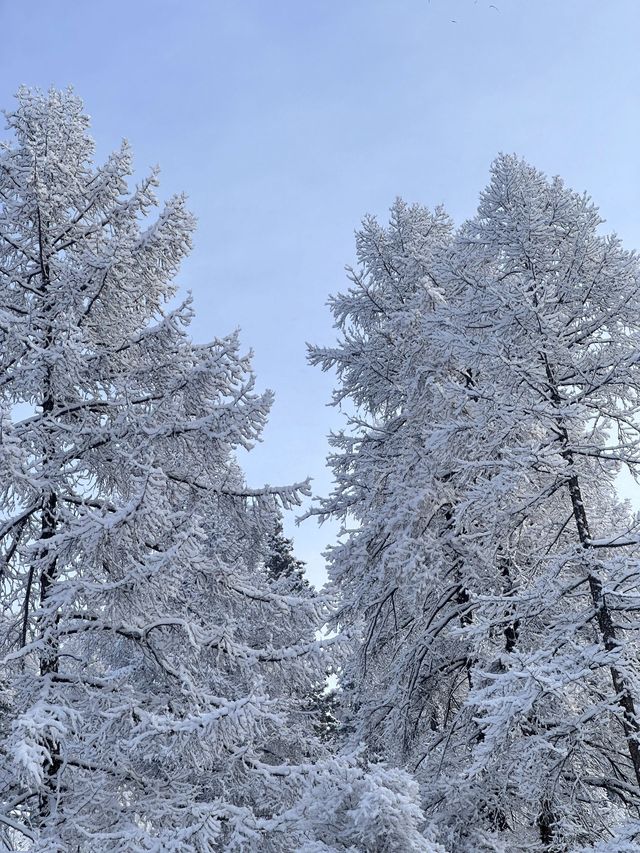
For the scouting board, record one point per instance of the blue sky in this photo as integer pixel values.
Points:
(285, 121)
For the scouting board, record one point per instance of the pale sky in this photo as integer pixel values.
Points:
(285, 121)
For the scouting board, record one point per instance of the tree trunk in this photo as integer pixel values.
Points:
(49, 656)
(623, 692)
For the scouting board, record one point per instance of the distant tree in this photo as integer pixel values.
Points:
(326, 705)
(488, 570)
(287, 573)
(280, 561)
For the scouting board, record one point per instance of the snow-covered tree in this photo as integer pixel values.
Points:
(488, 570)
(144, 651)
(550, 309)
(383, 570)
(286, 573)
(281, 563)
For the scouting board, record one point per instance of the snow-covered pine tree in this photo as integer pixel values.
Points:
(286, 573)
(116, 431)
(489, 570)
(397, 577)
(141, 644)
(547, 310)
(281, 563)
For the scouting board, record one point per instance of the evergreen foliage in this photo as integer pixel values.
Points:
(150, 668)
(487, 571)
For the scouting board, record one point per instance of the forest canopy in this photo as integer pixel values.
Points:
(163, 659)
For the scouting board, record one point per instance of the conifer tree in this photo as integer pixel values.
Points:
(490, 578)
(550, 313)
(281, 561)
(286, 572)
(392, 572)
(143, 650)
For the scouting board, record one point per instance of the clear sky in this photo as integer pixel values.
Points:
(285, 121)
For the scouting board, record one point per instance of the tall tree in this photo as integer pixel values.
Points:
(398, 582)
(142, 656)
(490, 578)
(550, 310)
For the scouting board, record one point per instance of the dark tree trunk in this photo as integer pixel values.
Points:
(604, 620)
